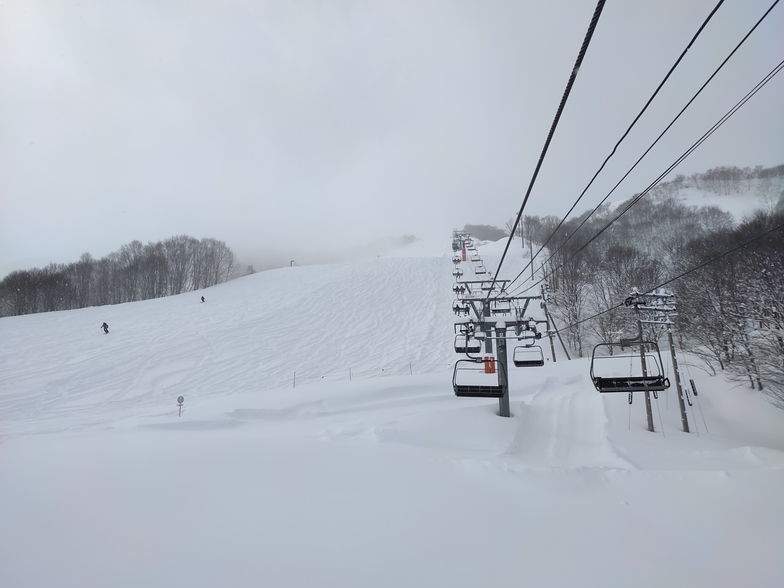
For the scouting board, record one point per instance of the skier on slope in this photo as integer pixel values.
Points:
(105, 328)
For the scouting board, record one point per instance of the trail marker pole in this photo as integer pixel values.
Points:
(180, 400)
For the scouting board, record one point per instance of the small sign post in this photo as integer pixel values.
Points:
(180, 400)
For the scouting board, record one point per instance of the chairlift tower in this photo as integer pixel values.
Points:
(641, 341)
(605, 380)
(492, 379)
(660, 308)
(503, 376)
(459, 239)
(545, 299)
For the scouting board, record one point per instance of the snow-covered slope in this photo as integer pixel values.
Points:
(321, 445)
(251, 334)
(741, 198)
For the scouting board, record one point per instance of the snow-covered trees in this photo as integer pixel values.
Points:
(620, 267)
(732, 310)
(730, 313)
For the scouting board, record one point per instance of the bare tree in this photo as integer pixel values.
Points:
(153, 271)
(180, 262)
(571, 303)
(130, 259)
(81, 278)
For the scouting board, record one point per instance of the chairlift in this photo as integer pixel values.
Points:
(528, 356)
(456, 246)
(457, 272)
(456, 259)
(623, 373)
(475, 257)
(478, 378)
(459, 307)
(468, 242)
(464, 343)
(527, 335)
(480, 270)
(462, 328)
(500, 307)
(458, 289)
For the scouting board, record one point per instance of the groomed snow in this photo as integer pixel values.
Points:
(321, 444)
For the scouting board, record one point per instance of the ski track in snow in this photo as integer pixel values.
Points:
(561, 427)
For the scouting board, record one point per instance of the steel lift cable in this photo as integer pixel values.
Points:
(713, 129)
(677, 162)
(699, 91)
(586, 41)
(626, 133)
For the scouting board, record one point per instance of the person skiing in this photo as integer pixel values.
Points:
(202, 298)
(105, 328)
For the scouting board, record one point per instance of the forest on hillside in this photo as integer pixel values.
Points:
(134, 272)
(730, 311)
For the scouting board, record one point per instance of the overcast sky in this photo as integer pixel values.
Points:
(291, 127)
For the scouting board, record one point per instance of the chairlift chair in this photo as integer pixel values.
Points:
(528, 356)
(459, 307)
(475, 257)
(457, 272)
(527, 334)
(500, 307)
(467, 344)
(614, 373)
(480, 270)
(477, 378)
(456, 259)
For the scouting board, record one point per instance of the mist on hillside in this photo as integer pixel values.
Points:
(327, 253)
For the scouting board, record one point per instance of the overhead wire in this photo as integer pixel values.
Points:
(699, 91)
(580, 56)
(626, 133)
(677, 162)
